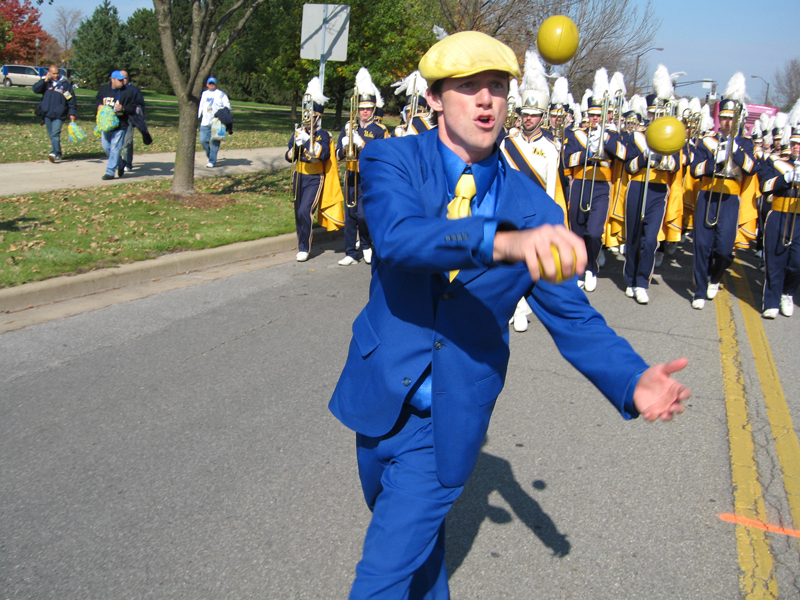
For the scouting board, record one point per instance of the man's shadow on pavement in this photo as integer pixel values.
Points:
(493, 473)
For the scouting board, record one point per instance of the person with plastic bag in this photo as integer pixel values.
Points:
(58, 102)
(212, 131)
(114, 96)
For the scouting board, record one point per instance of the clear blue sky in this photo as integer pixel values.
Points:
(706, 38)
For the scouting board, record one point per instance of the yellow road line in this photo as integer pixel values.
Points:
(757, 580)
(787, 446)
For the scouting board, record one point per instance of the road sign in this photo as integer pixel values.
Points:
(324, 34)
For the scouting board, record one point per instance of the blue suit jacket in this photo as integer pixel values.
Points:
(415, 317)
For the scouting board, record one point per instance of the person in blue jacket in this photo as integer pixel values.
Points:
(459, 237)
(58, 102)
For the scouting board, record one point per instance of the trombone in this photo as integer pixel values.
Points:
(350, 153)
(306, 122)
(597, 157)
(788, 232)
(728, 171)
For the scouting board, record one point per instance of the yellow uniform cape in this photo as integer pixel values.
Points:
(614, 234)
(672, 227)
(331, 205)
(748, 212)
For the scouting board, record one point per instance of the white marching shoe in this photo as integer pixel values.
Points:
(712, 290)
(787, 305)
(698, 303)
(520, 323)
(368, 256)
(590, 281)
(641, 295)
(302, 256)
(770, 313)
(629, 292)
(347, 261)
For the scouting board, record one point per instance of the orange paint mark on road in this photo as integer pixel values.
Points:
(751, 523)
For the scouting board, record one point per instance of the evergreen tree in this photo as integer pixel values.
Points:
(101, 45)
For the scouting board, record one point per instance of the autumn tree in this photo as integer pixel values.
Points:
(65, 27)
(612, 32)
(23, 18)
(787, 84)
(101, 45)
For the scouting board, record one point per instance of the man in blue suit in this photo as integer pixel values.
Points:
(459, 237)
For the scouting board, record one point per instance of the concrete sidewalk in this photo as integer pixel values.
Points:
(44, 176)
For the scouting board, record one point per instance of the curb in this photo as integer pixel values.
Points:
(68, 287)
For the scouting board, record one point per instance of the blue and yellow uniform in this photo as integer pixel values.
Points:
(781, 236)
(647, 194)
(716, 221)
(355, 226)
(590, 190)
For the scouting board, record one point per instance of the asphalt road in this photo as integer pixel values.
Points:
(179, 446)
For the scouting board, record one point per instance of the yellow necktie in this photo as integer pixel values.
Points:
(460, 206)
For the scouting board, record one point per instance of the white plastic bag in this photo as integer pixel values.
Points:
(217, 130)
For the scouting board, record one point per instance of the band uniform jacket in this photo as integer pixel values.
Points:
(416, 318)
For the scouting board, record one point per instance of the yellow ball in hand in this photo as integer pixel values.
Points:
(557, 40)
(560, 275)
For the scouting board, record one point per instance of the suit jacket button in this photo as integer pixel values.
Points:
(446, 297)
(406, 382)
(438, 345)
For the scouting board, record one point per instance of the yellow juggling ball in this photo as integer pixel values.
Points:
(560, 275)
(666, 135)
(557, 40)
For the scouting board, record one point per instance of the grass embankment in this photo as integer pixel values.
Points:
(24, 139)
(73, 231)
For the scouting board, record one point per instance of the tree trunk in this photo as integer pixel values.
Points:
(183, 179)
(294, 105)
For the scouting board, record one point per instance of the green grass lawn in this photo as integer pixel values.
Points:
(73, 231)
(24, 139)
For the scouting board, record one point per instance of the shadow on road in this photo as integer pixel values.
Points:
(491, 474)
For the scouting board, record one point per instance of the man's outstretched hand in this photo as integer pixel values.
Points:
(659, 396)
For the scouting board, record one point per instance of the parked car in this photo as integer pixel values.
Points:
(20, 75)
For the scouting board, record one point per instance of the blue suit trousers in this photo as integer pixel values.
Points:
(403, 555)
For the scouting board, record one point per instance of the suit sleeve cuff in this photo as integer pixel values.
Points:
(486, 247)
(628, 408)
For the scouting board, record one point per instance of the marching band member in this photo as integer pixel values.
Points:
(724, 161)
(614, 231)
(591, 155)
(422, 119)
(348, 148)
(529, 151)
(651, 179)
(315, 179)
(782, 232)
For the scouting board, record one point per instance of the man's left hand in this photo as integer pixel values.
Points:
(659, 396)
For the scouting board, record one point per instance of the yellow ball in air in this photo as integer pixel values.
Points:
(666, 135)
(557, 40)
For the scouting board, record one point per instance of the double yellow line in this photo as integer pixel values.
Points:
(757, 580)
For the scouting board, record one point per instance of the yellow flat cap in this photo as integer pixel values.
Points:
(466, 53)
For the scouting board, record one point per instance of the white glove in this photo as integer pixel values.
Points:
(797, 175)
(399, 131)
(594, 141)
(611, 126)
(722, 154)
(735, 146)
(301, 137)
(345, 141)
(347, 128)
(357, 141)
(789, 176)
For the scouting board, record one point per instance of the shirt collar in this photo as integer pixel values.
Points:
(484, 172)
